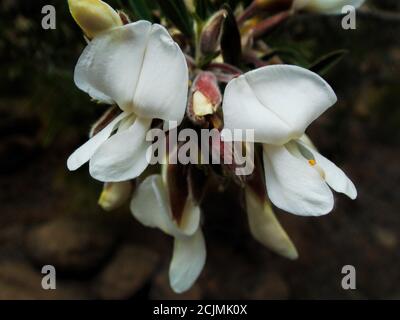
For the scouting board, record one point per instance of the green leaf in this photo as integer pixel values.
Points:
(141, 10)
(231, 47)
(177, 13)
(326, 62)
(203, 8)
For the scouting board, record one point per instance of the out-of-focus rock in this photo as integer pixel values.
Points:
(11, 236)
(15, 151)
(128, 272)
(19, 134)
(234, 274)
(268, 286)
(71, 246)
(19, 281)
(386, 238)
(160, 289)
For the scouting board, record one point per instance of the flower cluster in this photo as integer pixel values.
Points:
(153, 76)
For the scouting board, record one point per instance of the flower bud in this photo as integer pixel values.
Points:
(205, 96)
(211, 35)
(114, 194)
(94, 16)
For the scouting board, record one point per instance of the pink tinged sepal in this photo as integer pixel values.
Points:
(204, 98)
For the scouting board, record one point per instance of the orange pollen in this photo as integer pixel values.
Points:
(312, 162)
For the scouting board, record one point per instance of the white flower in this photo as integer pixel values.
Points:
(279, 102)
(151, 206)
(141, 69)
(325, 6)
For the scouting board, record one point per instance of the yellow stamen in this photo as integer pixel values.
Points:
(312, 162)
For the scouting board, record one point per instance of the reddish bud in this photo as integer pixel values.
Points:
(205, 97)
(210, 37)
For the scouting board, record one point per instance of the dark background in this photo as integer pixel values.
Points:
(50, 216)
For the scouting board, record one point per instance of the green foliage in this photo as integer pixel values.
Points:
(326, 62)
(204, 8)
(177, 13)
(141, 10)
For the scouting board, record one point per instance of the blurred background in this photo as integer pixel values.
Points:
(50, 216)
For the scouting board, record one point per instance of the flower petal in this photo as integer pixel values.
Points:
(163, 85)
(109, 67)
(187, 262)
(150, 206)
(123, 156)
(266, 228)
(278, 102)
(334, 176)
(85, 151)
(293, 185)
(190, 218)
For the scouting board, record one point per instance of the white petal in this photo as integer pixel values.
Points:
(188, 260)
(326, 6)
(85, 152)
(306, 139)
(123, 156)
(278, 102)
(266, 228)
(163, 86)
(293, 185)
(334, 176)
(190, 218)
(150, 206)
(109, 67)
